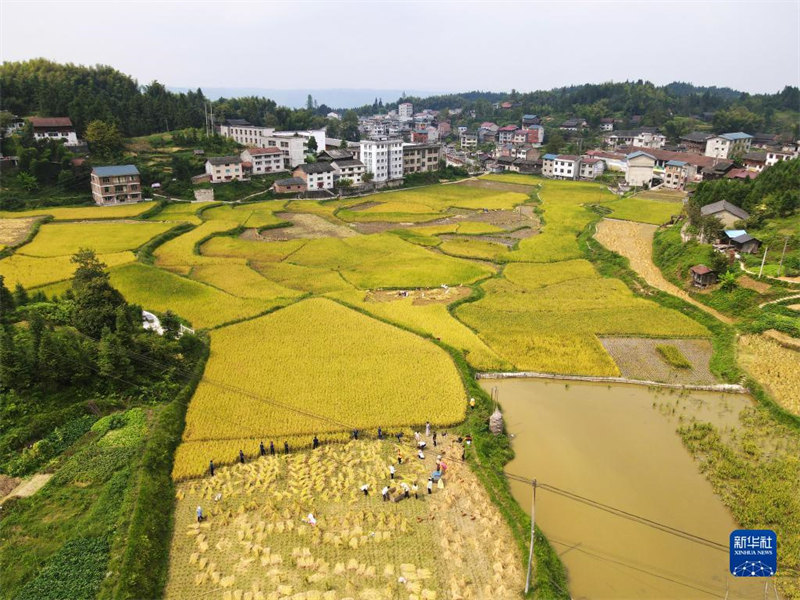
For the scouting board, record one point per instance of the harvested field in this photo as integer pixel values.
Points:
(751, 284)
(634, 241)
(794, 307)
(304, 226)
(637, 358)
(257, 541)
(774, 366)
(421, 297)
(14, 231)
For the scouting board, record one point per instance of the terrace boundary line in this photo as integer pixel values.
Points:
(732, 388)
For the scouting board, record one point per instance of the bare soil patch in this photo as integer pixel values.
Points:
(794, 307)
(7, 484)
(421, 297)
(304, 226)
(751, 284)
(637, 358)
(14, 231)
(30, 486)
(364, 206)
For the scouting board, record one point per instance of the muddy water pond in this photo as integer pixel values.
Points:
(617, 445)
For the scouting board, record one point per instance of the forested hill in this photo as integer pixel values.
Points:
(84, 94)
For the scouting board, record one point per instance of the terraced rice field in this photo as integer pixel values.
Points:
(74, 213)
(775, 366)
(104, 237)
(14, 231)
(257, 542)
(638, 358)
(644, 210)
(34, 272)
(353, 370)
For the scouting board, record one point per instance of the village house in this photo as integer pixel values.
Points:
(725, 212)
(702, 276)
(116, 184)
(776, 155)
(420, 158)
(290, 185)
(566, 166)
(573, 125)
(607, 124)
(444, 129)
(696, 141)
(526, 152)
(591, 168)
(741, 241)
(763, 140)
(728, 145)
(505, 134)
(490, 126)
(348, 168)
(262, 160)
(405, 110)
(706, 167)
(646, 137)
(487, 136)
(530, 120)
(383, 158)
(614, 161)
(293, 144)
(677, 173)
(640, 169)
(755, 161)
(469, 140)
(741, 174)
(225, 168)
(533, 136)
(318, 176)
(54, 128)
(548, 164)
(335, 154)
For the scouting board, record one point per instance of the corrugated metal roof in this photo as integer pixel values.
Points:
(115, 170)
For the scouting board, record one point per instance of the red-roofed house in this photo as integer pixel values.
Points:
(505, 135)
(741, 174)
(489, 125)
(506, 105)
(54, 128)
(264, 160)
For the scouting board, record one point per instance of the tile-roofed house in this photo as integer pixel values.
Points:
(725, 212)
(506, 134)
(742, 241)
(591, 168)
(290, 185)
(727, 145)
(348, 168)
(225, 168)
(238, 123)
(607, 124)
(528, 120)
(741, 174)
(762, 140)
(645, 137)
(695, 141)
(702, 276)
(318, 176)
(54, 128)
(263, 160)
(116, 184)
(755, 161)
(573, 124)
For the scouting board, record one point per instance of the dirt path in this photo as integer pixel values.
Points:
(29, 487)
(634, 241)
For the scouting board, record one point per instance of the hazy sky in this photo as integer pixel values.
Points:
(443, 46)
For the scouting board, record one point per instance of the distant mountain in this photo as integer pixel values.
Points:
(339, 98)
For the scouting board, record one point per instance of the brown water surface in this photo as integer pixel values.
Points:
(617, 445)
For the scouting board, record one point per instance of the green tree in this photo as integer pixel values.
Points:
(7, 304)
(727, 281)
(312, 145)
(367, 177)
(112, 356)
(27, 182)
(104, 139)
(345, 183)
(95, 300)
(20, 295)
(171, 325)
(309, 103)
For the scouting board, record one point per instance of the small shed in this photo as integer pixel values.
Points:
(702, 276)
(290, 185)
(743, 242)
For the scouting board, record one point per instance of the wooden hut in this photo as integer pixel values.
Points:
(702, 276)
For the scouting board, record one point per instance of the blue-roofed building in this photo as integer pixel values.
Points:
(727, 145)
(116, 184)
(548, 165)
(528, 120)
(641, 166)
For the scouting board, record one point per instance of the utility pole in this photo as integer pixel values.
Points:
(205, 118)
(533, 529)
(763, 260)
(780, 265)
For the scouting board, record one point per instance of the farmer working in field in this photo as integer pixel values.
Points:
(211, 467)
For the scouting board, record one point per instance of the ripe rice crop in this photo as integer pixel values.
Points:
(469, 248)
(673, 356)
(305, 279)
(227, 247)
(775, 366)
(536, 275)
(70, 213)
(180, 211)
(564, 217)
(357, 216)
(256, 214)
(33, 272)
(386, 261)
(202, 305)
(397, 207)
(241, 280)
(643, 210)
(513, 178)
(180, 250)
(433, 319)
(104, 237)
(321, 356)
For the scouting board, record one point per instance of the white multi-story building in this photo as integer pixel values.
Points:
(469, 140)
(348, 168)
(224, 168)
(727, 145)
(642, 138)
(775, 155)
(566, 166)
(383, 158)
(548, 163)
(264, 160)
(591, 168)
(293, 144)
(405, 110)
(640, 169)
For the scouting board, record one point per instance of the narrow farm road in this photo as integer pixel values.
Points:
(634, 241)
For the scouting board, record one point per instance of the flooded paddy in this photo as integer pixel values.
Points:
(617, 445)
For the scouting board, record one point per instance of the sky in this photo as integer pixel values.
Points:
(429, 45)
